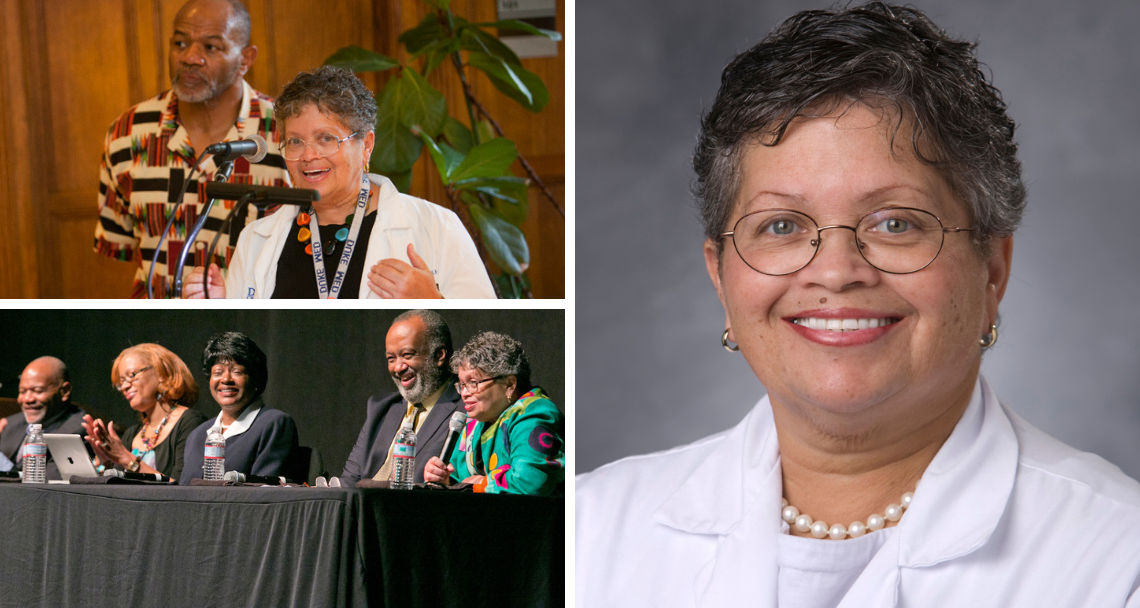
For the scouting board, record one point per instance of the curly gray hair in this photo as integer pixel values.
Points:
(334, 90)
(495, 355)
(885, 56)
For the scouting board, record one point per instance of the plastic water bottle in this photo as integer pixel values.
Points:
(403, 475)
(214, 469)
(35, 455)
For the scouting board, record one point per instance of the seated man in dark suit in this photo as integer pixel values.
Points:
(44, 397)
(260, 440)
(418, 347)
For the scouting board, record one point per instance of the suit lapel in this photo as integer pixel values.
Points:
(389, 424)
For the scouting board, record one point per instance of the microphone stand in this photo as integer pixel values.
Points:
(221, 175)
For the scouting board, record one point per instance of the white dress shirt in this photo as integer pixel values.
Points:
(1004, 516)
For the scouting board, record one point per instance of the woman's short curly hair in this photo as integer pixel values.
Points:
(333, 90)
(495, 355)
(236, 347)
(884, 56)
(174, 379)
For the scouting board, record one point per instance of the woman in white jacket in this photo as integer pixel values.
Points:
(859, 186)
(363, 238)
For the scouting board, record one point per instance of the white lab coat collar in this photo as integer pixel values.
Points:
(736, 491)
(243, 421)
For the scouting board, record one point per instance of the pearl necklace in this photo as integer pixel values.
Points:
(819, 529)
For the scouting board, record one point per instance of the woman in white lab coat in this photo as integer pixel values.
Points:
(859, 185)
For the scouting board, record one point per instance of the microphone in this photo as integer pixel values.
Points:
(240, 477)
(253, 147)
(262, 194)
(454, 427)
(138, 476)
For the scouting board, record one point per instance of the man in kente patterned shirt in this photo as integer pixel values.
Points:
(150, 149)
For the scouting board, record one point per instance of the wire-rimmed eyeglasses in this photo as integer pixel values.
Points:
(130, 377)
(473, 386)
(325, 144)
(895, 240)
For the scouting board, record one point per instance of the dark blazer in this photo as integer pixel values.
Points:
(67, 421)
(168, 454)
(264, 448)
(384, 416)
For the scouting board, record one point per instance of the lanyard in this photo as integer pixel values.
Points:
(346, 255)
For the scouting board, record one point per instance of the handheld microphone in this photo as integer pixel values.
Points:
(137, 476)
(253, 147)
(240, 477)
(454, 427)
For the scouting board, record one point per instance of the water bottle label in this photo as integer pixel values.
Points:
(215, 452)
(403, 450)
(35, 449)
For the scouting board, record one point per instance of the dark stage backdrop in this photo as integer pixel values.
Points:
(323, 365)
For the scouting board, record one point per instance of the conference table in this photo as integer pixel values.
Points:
(156, 545)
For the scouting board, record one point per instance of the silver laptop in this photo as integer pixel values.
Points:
(70, 455)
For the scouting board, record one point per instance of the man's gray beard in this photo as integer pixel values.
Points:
(211, 90)
(427, 382)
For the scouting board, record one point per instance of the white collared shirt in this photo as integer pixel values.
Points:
(1004, 516)
(242, 422)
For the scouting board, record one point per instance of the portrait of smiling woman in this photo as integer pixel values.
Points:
(858, 181)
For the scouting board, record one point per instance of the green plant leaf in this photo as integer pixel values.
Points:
(402, 180)
(396, 148)
(429, 30)
(505, 243)
(361, 60)
(513, 80)
(521, 26)
(508, 195)
(420, 105)
(440, 4)
(476, 40)
(458, 135)
(445, 157)
(488, 159)
(437, 53)
(485, 130)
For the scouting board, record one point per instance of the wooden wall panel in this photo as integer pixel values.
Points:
(85, 88)
(19, 265)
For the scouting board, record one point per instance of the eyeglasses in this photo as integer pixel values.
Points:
(131, 377)
(325, 144)
(895, 240)
(472, 386)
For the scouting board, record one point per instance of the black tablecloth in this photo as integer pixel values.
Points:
(149, 546)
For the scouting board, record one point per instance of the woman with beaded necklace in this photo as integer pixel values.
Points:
(159, 386)
(859, 186)
(363, 238)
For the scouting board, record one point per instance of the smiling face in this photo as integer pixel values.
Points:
(416, 371)
(491, 399)
(207, 57)
(230, 386)
(839, 342)
(141, 392)
(336, 176)
(42, 391)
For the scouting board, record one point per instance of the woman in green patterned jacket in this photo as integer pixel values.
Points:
(513, 439)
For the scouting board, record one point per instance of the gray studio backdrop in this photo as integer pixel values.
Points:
(650, 370)
(323, 365)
